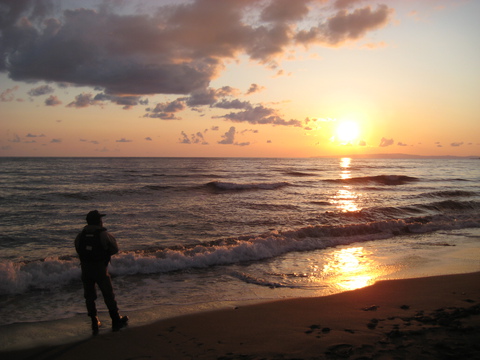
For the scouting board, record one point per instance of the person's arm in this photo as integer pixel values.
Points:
(77, 241)
(111, 243)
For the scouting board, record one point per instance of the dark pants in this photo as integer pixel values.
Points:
(97, 273)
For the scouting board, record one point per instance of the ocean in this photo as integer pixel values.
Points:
(203, 233)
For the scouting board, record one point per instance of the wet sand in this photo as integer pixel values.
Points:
(424, 318)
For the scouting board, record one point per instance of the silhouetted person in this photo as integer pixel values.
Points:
(95, 246)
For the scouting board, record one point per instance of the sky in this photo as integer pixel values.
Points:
(239, 78)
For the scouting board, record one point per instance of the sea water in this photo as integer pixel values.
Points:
(204, 233)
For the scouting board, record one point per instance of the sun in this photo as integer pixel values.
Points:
(348, 131)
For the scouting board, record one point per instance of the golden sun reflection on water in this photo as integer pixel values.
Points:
(345, 199)
(351, 268)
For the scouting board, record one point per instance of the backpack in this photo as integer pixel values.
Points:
(90, 248)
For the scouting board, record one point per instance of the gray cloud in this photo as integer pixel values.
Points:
(386, 142)
(192, 139)
(254, 88)
(456, 144)
(126, 100)
(261, 115)
(177, 49)
(346, 26)
(83, 100)
(41, 90)
(166, 111)
(52, 100)
(228, 137)
(233, 104)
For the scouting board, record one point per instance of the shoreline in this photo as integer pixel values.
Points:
(434, 317)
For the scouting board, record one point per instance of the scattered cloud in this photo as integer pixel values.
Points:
(148, 138)
(254, 88)
(123, 140)
(401, 144)
(229, 138)
(8, 95)
(41, 90)
(127, 101)
(52, 100)
(192, 139)
(95, 142)
(456, 144)
(56, 141)
(386, 142)
(260, 115)
(166, 111)
(346, 26)
(83, 100)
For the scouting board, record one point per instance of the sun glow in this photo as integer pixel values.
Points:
(348, 131)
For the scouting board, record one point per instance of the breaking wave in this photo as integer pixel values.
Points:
(379, 180)
(231, 186)
(53, 272)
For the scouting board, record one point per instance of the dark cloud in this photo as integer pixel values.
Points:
(83, 100)
(41, 90)
(125, 100)
(347, 26)
(52, 100)
(342, 4)
(177, 49)
(254, 88)
(401, 144)
(285, 10)
(209, 96)
(228, 137)
(386, 142)
(184, 139)
(123, 140)
(456, 144)
(261, 115)
(233, 104)
(192, 139)
(166, 111)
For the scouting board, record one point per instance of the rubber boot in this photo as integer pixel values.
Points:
(95, 324)
(118, 321)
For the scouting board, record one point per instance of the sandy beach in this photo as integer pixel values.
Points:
(423, 318)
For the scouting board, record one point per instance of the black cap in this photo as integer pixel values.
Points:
(94, 217)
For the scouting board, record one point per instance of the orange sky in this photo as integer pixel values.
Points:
(239, 78)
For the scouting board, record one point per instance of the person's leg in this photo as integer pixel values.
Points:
(105, 284)
(90, 294)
